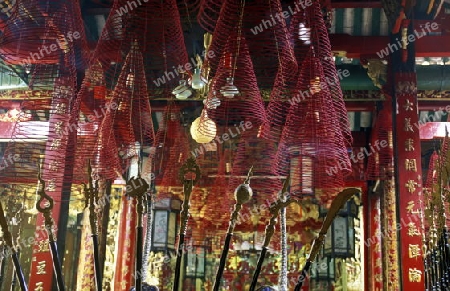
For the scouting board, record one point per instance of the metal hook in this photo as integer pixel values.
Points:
(249, 175)
(43, 197)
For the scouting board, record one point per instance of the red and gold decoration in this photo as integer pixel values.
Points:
(265, 94)
(126, 237)
(436, 198)
(409, 181)
(374, 244)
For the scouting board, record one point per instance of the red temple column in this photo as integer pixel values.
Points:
(409, 181)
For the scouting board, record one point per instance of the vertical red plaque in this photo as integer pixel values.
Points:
(124, 272)
(409, 182)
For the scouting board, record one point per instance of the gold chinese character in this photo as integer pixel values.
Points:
(410, 208)
(411, 185)
(59, 127)
(378, 263)
(39, 286)
(378, 277)
(60, 108)
(125, 270)
(377, 232)
(408, 126)
(41, 268)
(413, 251)
(409, 145)
(51, 185)
(56, 144)
(377, 246)
(54, 166)
(43, 246)
(376, 218)
(412, 229)
(411, 165)
(408, 106)
(415, 275)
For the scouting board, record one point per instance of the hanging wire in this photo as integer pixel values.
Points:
(239, 35)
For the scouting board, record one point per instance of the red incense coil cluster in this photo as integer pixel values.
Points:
(46, 49)
(162, 41)
(189, 9)
(380, 165)
(153, 30)
(272, 40)
(263, 181)
(246, 106)
(316, 134)
(131, 117)
(267, 35)
(321, 43)
(156, 28)
(228, 25)
(311, 137)
(209, 14)
(177, 150)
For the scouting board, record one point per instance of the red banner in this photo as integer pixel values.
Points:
(126, 236)
(409, 181)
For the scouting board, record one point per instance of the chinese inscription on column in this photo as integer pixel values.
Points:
(410, 181)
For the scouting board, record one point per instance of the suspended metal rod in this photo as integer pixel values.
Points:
(189, 175)
(270, 230)
(242, 195)
(47, 213)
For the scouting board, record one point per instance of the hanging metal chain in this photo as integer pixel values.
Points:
(282, 279)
